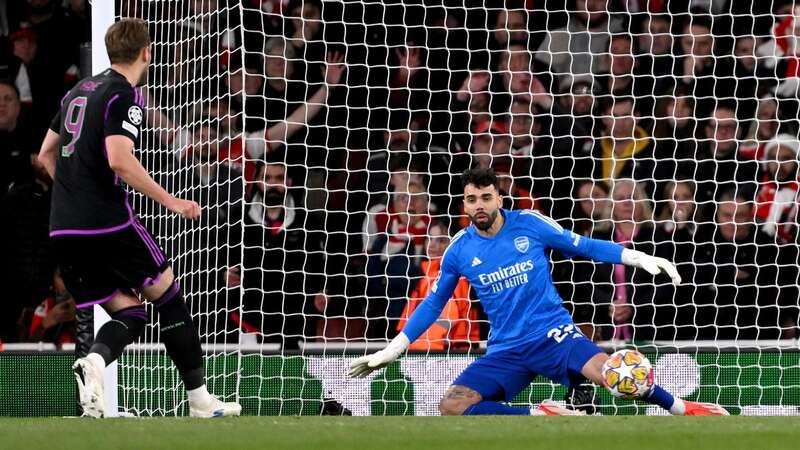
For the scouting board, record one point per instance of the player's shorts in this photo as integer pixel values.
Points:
(503, 374)
(95, 267)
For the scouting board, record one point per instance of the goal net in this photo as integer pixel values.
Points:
(325, 140)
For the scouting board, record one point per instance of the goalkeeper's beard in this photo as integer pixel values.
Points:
(485, 224)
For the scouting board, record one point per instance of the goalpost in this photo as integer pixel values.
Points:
(284, 303)
(102, 18)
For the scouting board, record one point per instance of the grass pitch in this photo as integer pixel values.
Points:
(402, 433)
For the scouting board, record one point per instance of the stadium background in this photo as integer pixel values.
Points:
(405, 105)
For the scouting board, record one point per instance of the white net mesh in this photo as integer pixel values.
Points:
(325, 140)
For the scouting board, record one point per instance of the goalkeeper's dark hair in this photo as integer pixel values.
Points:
(479, 177)
(125, 39)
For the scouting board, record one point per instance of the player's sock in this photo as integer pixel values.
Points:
(487, 408)
(180, 337)
(658, 396)
(124, 327)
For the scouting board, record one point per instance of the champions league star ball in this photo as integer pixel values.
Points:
(628, 374)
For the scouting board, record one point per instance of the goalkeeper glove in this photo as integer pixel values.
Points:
(652, 264)
(365, 365)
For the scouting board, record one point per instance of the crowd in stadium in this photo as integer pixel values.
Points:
(324, 143)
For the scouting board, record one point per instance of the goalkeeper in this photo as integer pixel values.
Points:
(502, 255)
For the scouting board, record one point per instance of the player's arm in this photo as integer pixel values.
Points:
(571, 244)
(130, 170)
(278, 134)
(48, 152)
(123, 119)
(421, 319)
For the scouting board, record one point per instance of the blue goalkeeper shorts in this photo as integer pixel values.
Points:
(502, 374)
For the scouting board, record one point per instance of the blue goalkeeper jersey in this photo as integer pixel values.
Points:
(510, 273)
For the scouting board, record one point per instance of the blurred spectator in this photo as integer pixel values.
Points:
(54, 47)
(577, 99)
(24, 45)
(13, 69)
(675, 131)
(615, 301)
(470, 106)
(626, 149)
(218, 188)
(18, 144)
(745, 57)
(399, 157)
(394, 239)
(305, 36)
(675, 121)
(559, 152)
(510, 26)
(746, 287)
(782, 53)
(244, 85)
(474, 89)
(718, 165)
(593, 211)
(284, 262)
(763, 129)
(430, 169)
(408, 82)
(675, 239)
(654, 43)
(515, 190)
(26, 268)
(522, 127)
(708, 77)
(401, 225)
(79, 18)
(744, 71)
(265, 141)
(184, 77)
(216, 182)
(578, 48)
(208, 19)
(777, 199)
(457, 327)
(53, 320)
(282, 90)
(577, 281)
(40, 77)
(515, 67)
(767, 118)
(624, 78)
(491, 140)
(633, 288)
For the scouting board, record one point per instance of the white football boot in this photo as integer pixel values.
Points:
(215, 408)
(90, 388)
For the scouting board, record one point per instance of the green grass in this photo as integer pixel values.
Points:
(406, 433)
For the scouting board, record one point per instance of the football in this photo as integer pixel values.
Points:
(628, 374)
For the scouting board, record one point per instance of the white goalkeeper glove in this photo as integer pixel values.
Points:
(652, 264)
(365, 365)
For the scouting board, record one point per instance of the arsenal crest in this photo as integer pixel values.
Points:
(521, 243)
